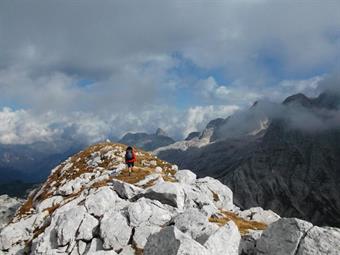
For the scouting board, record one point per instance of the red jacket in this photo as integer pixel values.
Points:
(133, 158)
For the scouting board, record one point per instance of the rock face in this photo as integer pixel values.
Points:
(90, 205)
(293, 236)
(8, 207)
(283, 157)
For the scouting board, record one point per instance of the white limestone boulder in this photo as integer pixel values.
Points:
(18, 232)
(87, 228)
(114, 230)
(195, 198)
(220, 194)
(126, 190)
(260, 215)
(195, 224)
(101, 201)
(142, 234)
(320, 241)
(68, 223)
(172, 241)
(167, 193)
(185, 176)
(225, 240)
(49, 202)
(151, 212)
(283, 236)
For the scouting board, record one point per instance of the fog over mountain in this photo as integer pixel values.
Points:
(283, 157)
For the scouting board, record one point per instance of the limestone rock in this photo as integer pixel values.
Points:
(68, 223)
(248, 242)
(148, 211)
(114, 230)
(101, 201)
(171, 241)
(320, 241)
(87, 228)
(283, 236)
(195, 224)
(185, 176)
(219, 193)
(126, 190)
(225, 240)
(167, 193)
(143, 232)
(260, 215)
(15, 233)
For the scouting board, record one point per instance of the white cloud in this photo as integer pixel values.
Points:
(197, 117)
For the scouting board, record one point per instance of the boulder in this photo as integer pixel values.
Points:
(87, 228)
(126, 190)
(260, 215)
(219, 193)
(283, 236)
(172, 241)
(68, 223)
(320, 241)
(248, 242)
(185, 176)
(148, 211)
(195, 198)
(195, 224)
(167, 193)
(16, 233)
(225, 240)
(114, 230)
(101, 201)
(49, 202)
(142, 234)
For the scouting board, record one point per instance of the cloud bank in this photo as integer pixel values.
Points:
(110, 67)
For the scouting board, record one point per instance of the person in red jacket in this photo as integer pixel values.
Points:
(130, 158)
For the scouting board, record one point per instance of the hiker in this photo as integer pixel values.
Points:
(130, 158)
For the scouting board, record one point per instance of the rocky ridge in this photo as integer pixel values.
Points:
(90, 205)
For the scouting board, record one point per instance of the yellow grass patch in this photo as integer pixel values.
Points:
(137, 175)
(243, 225)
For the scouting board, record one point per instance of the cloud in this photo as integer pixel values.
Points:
(110, 67)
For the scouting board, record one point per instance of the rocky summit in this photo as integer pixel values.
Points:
(91, 205)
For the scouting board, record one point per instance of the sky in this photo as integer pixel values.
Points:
(94, 69)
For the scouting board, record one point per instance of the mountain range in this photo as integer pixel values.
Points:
(283, 157)
(146, 141)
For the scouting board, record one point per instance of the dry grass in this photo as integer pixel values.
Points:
(137, 175)
(26, 207)
(243, 225)
(100, 184)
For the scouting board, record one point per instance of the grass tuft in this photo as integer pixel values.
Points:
(243, 225)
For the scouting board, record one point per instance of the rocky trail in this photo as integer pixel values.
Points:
(90, 205)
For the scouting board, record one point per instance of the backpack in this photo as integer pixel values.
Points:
(128, 155)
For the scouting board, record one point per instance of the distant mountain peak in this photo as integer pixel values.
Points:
(298, 99)
(161, 132)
